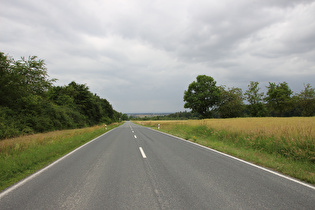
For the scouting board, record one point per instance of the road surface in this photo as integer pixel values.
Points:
(133, 167)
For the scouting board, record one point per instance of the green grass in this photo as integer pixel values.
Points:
(23, 156)
(293, 160)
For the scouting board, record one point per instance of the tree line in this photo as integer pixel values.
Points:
(208, 100)
(30, 103)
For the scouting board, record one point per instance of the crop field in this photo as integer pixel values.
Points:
(298, 128)
(283, 144)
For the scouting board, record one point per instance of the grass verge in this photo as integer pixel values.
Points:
(22, 156)
(293, 158)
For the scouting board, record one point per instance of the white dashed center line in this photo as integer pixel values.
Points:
(142, 152)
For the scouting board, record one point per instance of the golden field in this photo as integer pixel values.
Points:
(23, 142)
(289, 128)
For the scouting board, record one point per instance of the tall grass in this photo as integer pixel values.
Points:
(22, 156)
(289, 139)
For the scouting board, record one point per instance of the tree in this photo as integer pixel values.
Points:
(6, 78)
(78, 97)
(33, 75)
(252, 95)
(202, 95)
(231, 103)
(124, 117)
(278, 98)
(60, 96)
(21, 78)
(307, 101)
(29, 102)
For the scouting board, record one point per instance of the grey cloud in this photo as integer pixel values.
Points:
(141, 55)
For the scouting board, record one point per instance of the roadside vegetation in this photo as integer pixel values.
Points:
(30, 103)
(286, 145)
(207, 100)
(31, 107)
(24, 155)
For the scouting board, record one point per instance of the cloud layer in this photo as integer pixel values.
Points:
(142, 55)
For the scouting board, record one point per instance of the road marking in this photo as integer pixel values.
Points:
(132, 131)
(135, 136)
(142, 153)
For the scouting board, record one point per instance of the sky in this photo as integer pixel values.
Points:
(141, 55)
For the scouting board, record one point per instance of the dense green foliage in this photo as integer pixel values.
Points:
(256, 107)
(206, 99)
(202, 95)
(231, 103)
(306, 101)
(30, 103)
(278, 98)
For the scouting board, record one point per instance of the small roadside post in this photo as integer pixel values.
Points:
(159, 126)
(105, 127)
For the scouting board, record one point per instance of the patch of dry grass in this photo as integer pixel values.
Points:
(21, 143)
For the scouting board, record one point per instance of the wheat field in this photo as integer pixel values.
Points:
(289, 128)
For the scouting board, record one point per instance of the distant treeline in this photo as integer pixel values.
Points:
(185, 115)
(30, 103)
(210, 101)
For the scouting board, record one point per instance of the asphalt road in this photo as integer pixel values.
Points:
(133, 167)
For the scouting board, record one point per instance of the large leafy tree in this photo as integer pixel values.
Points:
(231, 103)
(32, 74)
(255, 98)
(23, 103)
(22, 78)
(6, 78)
(202, 96)
(306, 100)
(278, 98)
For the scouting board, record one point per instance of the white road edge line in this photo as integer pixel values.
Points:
(142, 152)
(135, 136)
(243, 161)
(23, 181)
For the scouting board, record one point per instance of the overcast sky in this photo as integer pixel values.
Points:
(141, 55)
